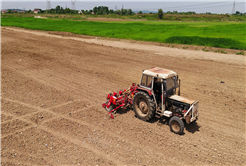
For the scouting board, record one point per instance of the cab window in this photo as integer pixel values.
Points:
(146, 81)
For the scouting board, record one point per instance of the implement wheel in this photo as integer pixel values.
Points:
(176, 125)
(110, 107)
(143, 106)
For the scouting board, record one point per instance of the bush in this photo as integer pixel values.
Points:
(207, 41)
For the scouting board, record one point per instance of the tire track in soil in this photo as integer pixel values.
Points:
(113, 138)
(5, 118)
(64, 136)
(158, 155)
(82, 144)
(30, 115)
(12, 126)
(46, 129)
(8, 162)
(22, 119)
(54, 147)
(16, 131)
(38, 76)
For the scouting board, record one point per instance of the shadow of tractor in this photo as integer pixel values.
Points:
(192, 127)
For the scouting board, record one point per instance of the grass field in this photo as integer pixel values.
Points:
(215, 34)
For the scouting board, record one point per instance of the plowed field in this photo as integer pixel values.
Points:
(51, 95)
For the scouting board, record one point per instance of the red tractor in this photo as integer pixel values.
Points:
(158, 94)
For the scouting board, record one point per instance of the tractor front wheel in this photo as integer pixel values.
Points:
(143, 106)
(176, 125)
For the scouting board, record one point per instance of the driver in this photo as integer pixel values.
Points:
(157, 86)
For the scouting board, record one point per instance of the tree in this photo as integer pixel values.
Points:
(67, 10)
(106, 9)
(95, 9)
(140, 12)
(123, 11)
(237, 12)
(105, 12)
(29, 11)
(160, 13)
(129, 12)
(111, 11)
(73, 11)
(99, 12)
(117, 12)
(58, 8)
(191, 12)
(61, 10)
(9, 11)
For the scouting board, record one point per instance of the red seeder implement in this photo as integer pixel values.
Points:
(122, 99)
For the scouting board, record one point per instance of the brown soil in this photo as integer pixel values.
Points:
(52, 89)
(179, 46)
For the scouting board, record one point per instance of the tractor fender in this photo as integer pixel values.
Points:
(146, 90)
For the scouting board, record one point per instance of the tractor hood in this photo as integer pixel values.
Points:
(182, 99)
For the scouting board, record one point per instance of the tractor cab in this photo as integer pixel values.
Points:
(160, 80)
(162, 83)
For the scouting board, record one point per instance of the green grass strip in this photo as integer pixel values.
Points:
(224, 34)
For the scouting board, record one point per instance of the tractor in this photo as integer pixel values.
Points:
(158, 94)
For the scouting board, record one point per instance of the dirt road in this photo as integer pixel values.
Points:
(51, 94)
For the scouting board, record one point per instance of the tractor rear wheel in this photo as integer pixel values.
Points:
(143, 106)
(176, 125)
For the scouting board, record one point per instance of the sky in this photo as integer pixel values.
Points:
(199, 6)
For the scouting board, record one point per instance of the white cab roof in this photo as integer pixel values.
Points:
(160, 72)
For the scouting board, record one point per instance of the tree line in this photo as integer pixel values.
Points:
(104, 10)
(98, 10)
(61, 10)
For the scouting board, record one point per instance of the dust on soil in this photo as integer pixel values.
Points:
(52, 91)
